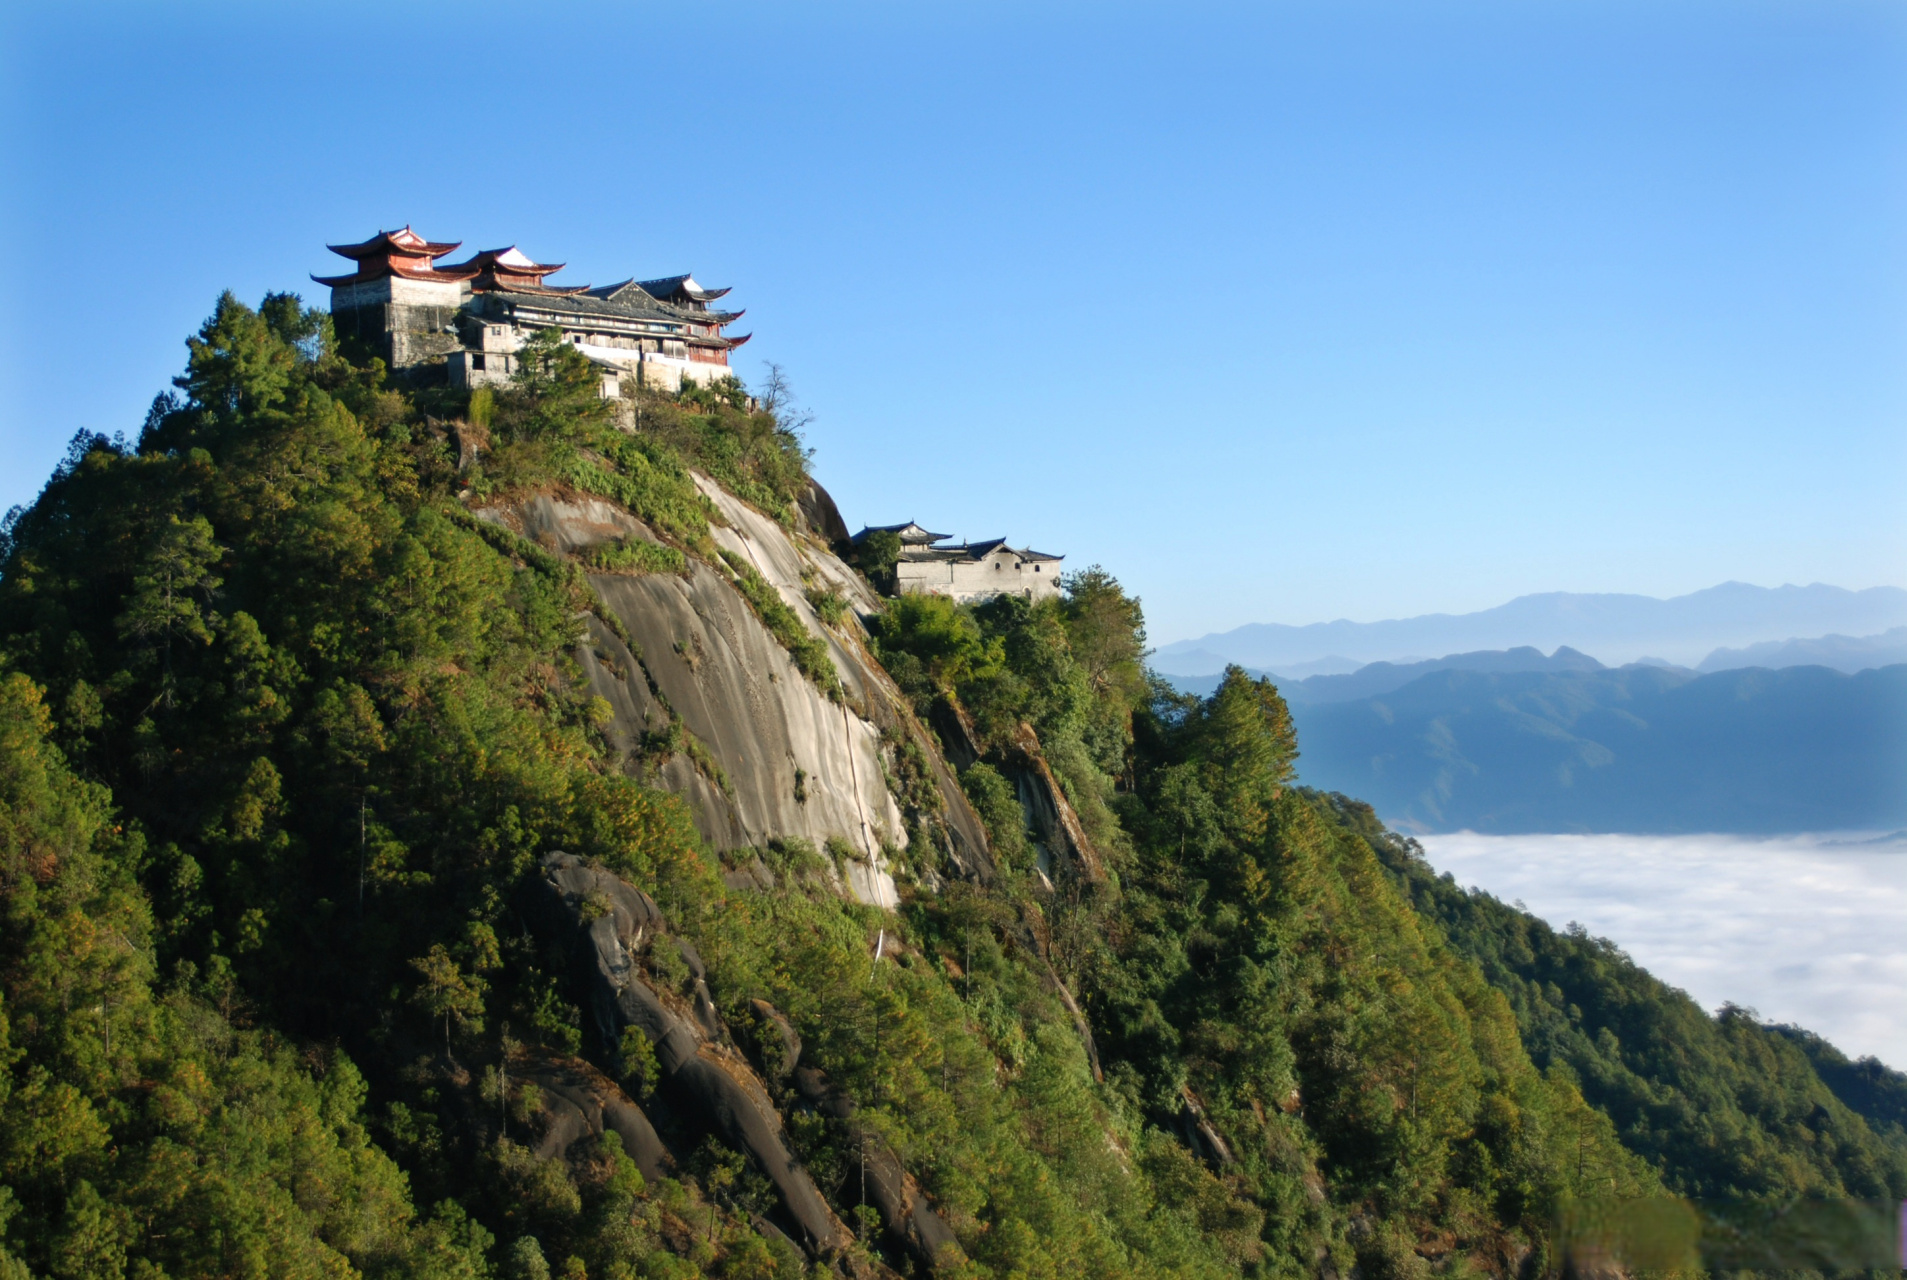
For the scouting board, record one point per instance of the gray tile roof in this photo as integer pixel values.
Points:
(917, 534)
(976, 551)
(625, 303)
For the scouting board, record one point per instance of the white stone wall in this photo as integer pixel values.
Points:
(657, 372)
(665, 373)
(494, 335)
(1000, 573)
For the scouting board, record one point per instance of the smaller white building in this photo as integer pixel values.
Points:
(970, 571)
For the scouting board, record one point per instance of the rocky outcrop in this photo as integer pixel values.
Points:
(1052, 814)
(1200, 1135)
(821, 516)
(907, 1216)
(579, 1102)
(707, 702)
(792, 561)
(778, 757)
(796, 763)
(608, 924)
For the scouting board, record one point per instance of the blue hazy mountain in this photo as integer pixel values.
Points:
(1843, 653)
(1615, 628)
(1635, 749)
(1374, 678)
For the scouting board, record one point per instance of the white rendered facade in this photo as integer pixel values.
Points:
(1002, 570)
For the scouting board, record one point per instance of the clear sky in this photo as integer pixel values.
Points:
(1283, 312)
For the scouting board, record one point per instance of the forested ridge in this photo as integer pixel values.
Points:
(291, 738)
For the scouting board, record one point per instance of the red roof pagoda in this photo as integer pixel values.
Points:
(401, 253)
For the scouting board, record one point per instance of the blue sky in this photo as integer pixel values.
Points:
(1283, 312)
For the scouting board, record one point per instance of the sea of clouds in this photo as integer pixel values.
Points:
(1810, 930)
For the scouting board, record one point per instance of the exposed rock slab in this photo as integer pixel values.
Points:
(609, 922)
(581, 1102)
(795, 763)
(1052, 813)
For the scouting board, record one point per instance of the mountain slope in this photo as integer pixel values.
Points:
(1714, 1104)
(466, 836)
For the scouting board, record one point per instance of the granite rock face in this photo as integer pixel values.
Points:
(780, 758)
(705, 701)
(608, 925)
(580, 1102)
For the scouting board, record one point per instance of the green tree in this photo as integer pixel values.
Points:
(446, 991)
(1247, 748)
(169, 587)
(237, 364)
(1106, 631)
(876, 555)
(557, 389)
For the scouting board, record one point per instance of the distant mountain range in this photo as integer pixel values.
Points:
(1381, 677)
(1616, 629)
(1843, 653)
(1636, 749)
(1513, 740)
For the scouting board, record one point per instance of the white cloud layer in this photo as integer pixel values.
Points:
(1810, 930)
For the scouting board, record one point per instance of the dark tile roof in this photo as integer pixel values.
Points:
(976, 551)
(668, 288)
(624, 303)
(920, 536)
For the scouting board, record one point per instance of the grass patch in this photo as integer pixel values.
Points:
(652, 484)
(808, 650)
(636, 555)
(679, 740)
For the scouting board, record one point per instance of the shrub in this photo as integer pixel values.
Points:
(809, 651)
(829, 605)
(636, 555)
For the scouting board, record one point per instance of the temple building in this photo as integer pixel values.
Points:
(970, 571)
(469, 318)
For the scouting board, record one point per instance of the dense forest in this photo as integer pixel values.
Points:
(290, 741)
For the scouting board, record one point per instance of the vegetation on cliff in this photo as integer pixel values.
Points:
(286, 731)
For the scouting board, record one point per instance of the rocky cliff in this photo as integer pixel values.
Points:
(709, 703)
